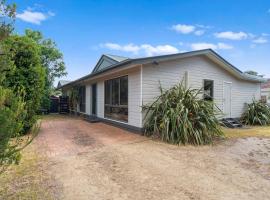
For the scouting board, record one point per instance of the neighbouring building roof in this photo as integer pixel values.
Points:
(109, 62)
(266, 85)
(62, 83)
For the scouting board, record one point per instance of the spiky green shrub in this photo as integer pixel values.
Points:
(256, 113)
(180, 116)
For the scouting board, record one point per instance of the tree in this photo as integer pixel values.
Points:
(51, 61)
(11, 105)
(7, 18)
(28, 74)
(250, 72)
(12, 114)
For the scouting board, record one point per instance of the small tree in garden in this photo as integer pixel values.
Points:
(74, 98)
(179, 116)
(52, 62)
(12, 105)
(12, 114)
(257, 113)
(28, 74)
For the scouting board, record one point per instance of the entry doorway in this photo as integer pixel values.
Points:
(227, 100)
(94, 99)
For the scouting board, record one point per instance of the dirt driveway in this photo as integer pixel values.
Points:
(98, 161)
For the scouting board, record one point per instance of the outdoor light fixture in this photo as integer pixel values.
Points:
(155, 62)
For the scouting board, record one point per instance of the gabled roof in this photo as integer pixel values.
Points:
(62, 83)
(212, 55)
(107, 60)
(116, 58)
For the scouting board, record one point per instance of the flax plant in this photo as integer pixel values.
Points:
(180, 116)
(257, 113)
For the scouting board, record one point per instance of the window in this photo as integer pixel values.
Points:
(116, 99)
(208, 90)
(264, 99)
(82, 98)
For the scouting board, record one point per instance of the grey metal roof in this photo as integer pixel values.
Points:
(110, 59)
(116, 58)
(155, 59)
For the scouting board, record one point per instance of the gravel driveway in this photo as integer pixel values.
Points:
(98, 161)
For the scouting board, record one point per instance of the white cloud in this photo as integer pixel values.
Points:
(199, 32)
(197, 29)
(232, 35)
(260, 40)
(146, 49)
(159, 50)
(127, 48)
(265, 34)
(221, 45)
(183, 28)
(204, 45)
(34, 17)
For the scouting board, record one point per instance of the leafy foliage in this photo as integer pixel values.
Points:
(257, 113)
(254, 73)
(179, 116)
(51, 61)
(7, 18)
(74, 98)
(28, 74)
(21, 85)
(12, 114)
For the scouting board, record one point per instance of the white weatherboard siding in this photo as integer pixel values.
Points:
(134, 99)
(87, 99)
(198, 68)
(134, 94)
(100, 99)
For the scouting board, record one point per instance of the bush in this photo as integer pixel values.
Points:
(257, 113)
(28, 74)
(12, 114)
(179, 116)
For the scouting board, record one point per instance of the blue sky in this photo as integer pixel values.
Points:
(83, 30)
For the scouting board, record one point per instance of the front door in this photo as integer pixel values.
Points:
(227, 87)
(94, 99)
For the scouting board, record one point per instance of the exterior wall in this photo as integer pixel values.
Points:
(143, 85)
(134, 99)
(198, 68)
(88, 99)
(265, 90)
(100, 99)
(134, 96)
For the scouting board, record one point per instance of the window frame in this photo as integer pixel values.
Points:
(110, 104)
(213, 91)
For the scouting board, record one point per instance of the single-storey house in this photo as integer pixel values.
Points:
(118, 87)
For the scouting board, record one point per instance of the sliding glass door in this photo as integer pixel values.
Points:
(116, 99)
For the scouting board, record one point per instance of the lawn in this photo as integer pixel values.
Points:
(255, 131)
(28, 180)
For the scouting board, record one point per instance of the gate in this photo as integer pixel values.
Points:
(63, 105)
(54, 104)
